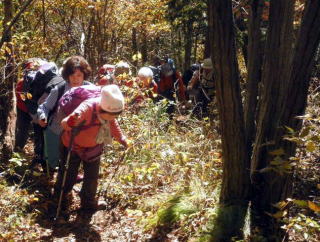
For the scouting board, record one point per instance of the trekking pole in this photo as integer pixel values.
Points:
(117, 168)
(74, 132)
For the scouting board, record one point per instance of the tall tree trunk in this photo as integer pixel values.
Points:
(8, 115)
(254, 70)
(195, 49)
(144, 46)
(235, 181)
(44, 21)
(296, 98)
(275, 83)
(207, 43)
(179, 43)
(188, 45)
(134, 44)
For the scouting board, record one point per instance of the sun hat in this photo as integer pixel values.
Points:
(112, 99)
(207, 64)
(122, 68)
(145, 72)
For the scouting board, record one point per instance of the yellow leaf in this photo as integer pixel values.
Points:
(278, 214)
(29, 95)
(36, 173)
(318, 186)
(23, 97)
(277, 152)
(310, 146)
(313, 206)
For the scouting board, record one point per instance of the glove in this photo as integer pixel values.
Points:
(73, 120)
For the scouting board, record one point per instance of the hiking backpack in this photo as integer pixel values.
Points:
(75, 96)
(156, 73)
(38, 82)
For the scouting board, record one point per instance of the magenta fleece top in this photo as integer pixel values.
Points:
(87, 136)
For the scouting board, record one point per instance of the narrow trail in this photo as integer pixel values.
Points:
(111, 224)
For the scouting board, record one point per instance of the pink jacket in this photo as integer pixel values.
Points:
(87, 135)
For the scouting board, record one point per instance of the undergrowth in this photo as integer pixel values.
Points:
(170, 177)
(168, 181)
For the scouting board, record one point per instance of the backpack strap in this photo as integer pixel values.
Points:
(94, 117)
(86, 83)
(61, 87)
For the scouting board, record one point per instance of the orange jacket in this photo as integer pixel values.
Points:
(87, 135)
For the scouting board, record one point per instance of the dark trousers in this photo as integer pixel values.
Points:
(38, 140)
(202, 102)
(169, 94)
(23, 124)
(90, 179)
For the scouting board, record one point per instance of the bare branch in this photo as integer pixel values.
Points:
(14, 21)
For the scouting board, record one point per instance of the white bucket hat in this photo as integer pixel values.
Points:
(145, 72)
(112, 99)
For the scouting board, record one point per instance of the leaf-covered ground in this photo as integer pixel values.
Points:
(164, 188)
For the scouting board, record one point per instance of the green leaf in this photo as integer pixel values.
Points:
(305, 132)
(290, 130)
(301, 203)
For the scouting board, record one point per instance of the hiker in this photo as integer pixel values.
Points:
(187, 75)
(95, 122)
(147, 87)
(202, 87)
(121, 73)
(23, 121)
(105, 75)
(122, 68)
(27, 94)
(170, 84)
(75, 71)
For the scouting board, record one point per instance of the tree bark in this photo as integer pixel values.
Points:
(8, 114)
(188, 45)
(144, 46)
(235, 181)
(303, 62)
(207, 43)
(254, 70)
(134, 44)
(275, 83)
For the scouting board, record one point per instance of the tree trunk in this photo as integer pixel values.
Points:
(303, 61)
(235, 181)
(254, 70)
(207, 43)
(275, 83)
(144, 46)
(134, 45)
(187, 45)
(8, 115)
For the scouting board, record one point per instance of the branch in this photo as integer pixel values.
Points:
(13, 22)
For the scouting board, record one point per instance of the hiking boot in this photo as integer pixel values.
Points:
(36, 163)
(84, 217)
(100, 205)
(66, 200)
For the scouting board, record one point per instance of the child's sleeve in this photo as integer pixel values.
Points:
(116, 132)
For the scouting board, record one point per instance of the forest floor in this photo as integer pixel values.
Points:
(164, 188)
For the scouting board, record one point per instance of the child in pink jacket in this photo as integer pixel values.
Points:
(96, 122)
